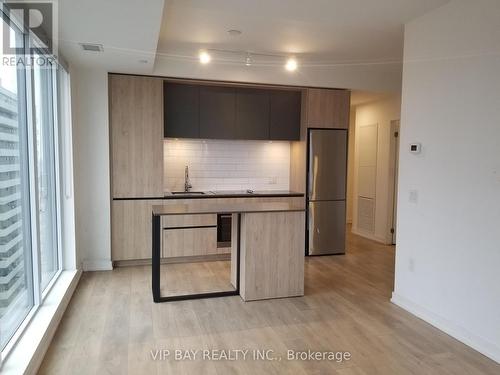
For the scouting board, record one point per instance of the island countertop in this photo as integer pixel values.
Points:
(232, 194)
(225, 208)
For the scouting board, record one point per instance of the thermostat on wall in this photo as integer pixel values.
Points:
(415, 148)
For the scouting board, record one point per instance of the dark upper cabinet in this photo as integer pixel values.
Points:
(227, 112)
(182, 109)
(217, 112)
(252, 114)
(284, 123)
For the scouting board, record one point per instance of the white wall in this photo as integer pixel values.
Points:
(227, 164)
(448, 252)
(91, 163)
(380, 112)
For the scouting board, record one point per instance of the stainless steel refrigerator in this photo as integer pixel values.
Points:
(326, 191)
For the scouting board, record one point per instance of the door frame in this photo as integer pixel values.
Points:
(394, 149)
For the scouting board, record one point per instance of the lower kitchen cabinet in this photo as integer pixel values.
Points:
(131, 228)
(187, 235)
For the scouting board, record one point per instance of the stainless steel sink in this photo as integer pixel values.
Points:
(188, 192)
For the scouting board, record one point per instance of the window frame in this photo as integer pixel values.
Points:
(40, 293)
(23, 126)
(57, 179)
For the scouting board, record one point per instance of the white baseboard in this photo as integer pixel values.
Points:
(483, 346)
(370, 236)
(97, 265)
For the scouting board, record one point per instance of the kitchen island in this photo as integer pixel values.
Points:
(267, 258)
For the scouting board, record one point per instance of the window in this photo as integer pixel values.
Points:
(16, 271)
(30, 220)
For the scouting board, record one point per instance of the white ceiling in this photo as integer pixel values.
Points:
(128, 30)
(317, 31)
(362, 97)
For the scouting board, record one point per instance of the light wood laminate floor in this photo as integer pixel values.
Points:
(195, 277)
(111, 326)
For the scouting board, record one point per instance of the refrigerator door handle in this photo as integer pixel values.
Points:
(310, 178)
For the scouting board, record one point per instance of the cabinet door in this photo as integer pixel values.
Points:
(131, 229)
(285, 115)
(252, 114)
(217, 112)
(182, 110)
(328, 108)
(181, 242)
(136, 125)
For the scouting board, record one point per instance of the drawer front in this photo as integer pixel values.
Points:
(189, 242)
(188, 220)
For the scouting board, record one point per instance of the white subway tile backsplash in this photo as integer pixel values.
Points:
(227, 165)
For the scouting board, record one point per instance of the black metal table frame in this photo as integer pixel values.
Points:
(156, 272)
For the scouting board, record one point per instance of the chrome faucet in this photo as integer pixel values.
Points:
(187, 184)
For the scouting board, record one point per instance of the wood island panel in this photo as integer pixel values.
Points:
(272, 255)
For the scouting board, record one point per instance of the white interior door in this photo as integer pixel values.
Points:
(367, 138)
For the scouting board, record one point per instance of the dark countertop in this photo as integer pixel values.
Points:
(225, 208)
(235, 194)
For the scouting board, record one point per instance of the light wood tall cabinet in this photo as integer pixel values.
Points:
(136, 146)
(136, 127)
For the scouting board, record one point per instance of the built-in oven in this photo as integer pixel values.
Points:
(224, 230)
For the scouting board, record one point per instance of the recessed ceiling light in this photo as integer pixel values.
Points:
(291, 64)
(234, 32)
(204, 57)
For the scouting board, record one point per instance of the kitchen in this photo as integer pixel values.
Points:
(232, 147)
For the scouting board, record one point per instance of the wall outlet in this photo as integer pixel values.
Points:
(274, 180)
(415, 148)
